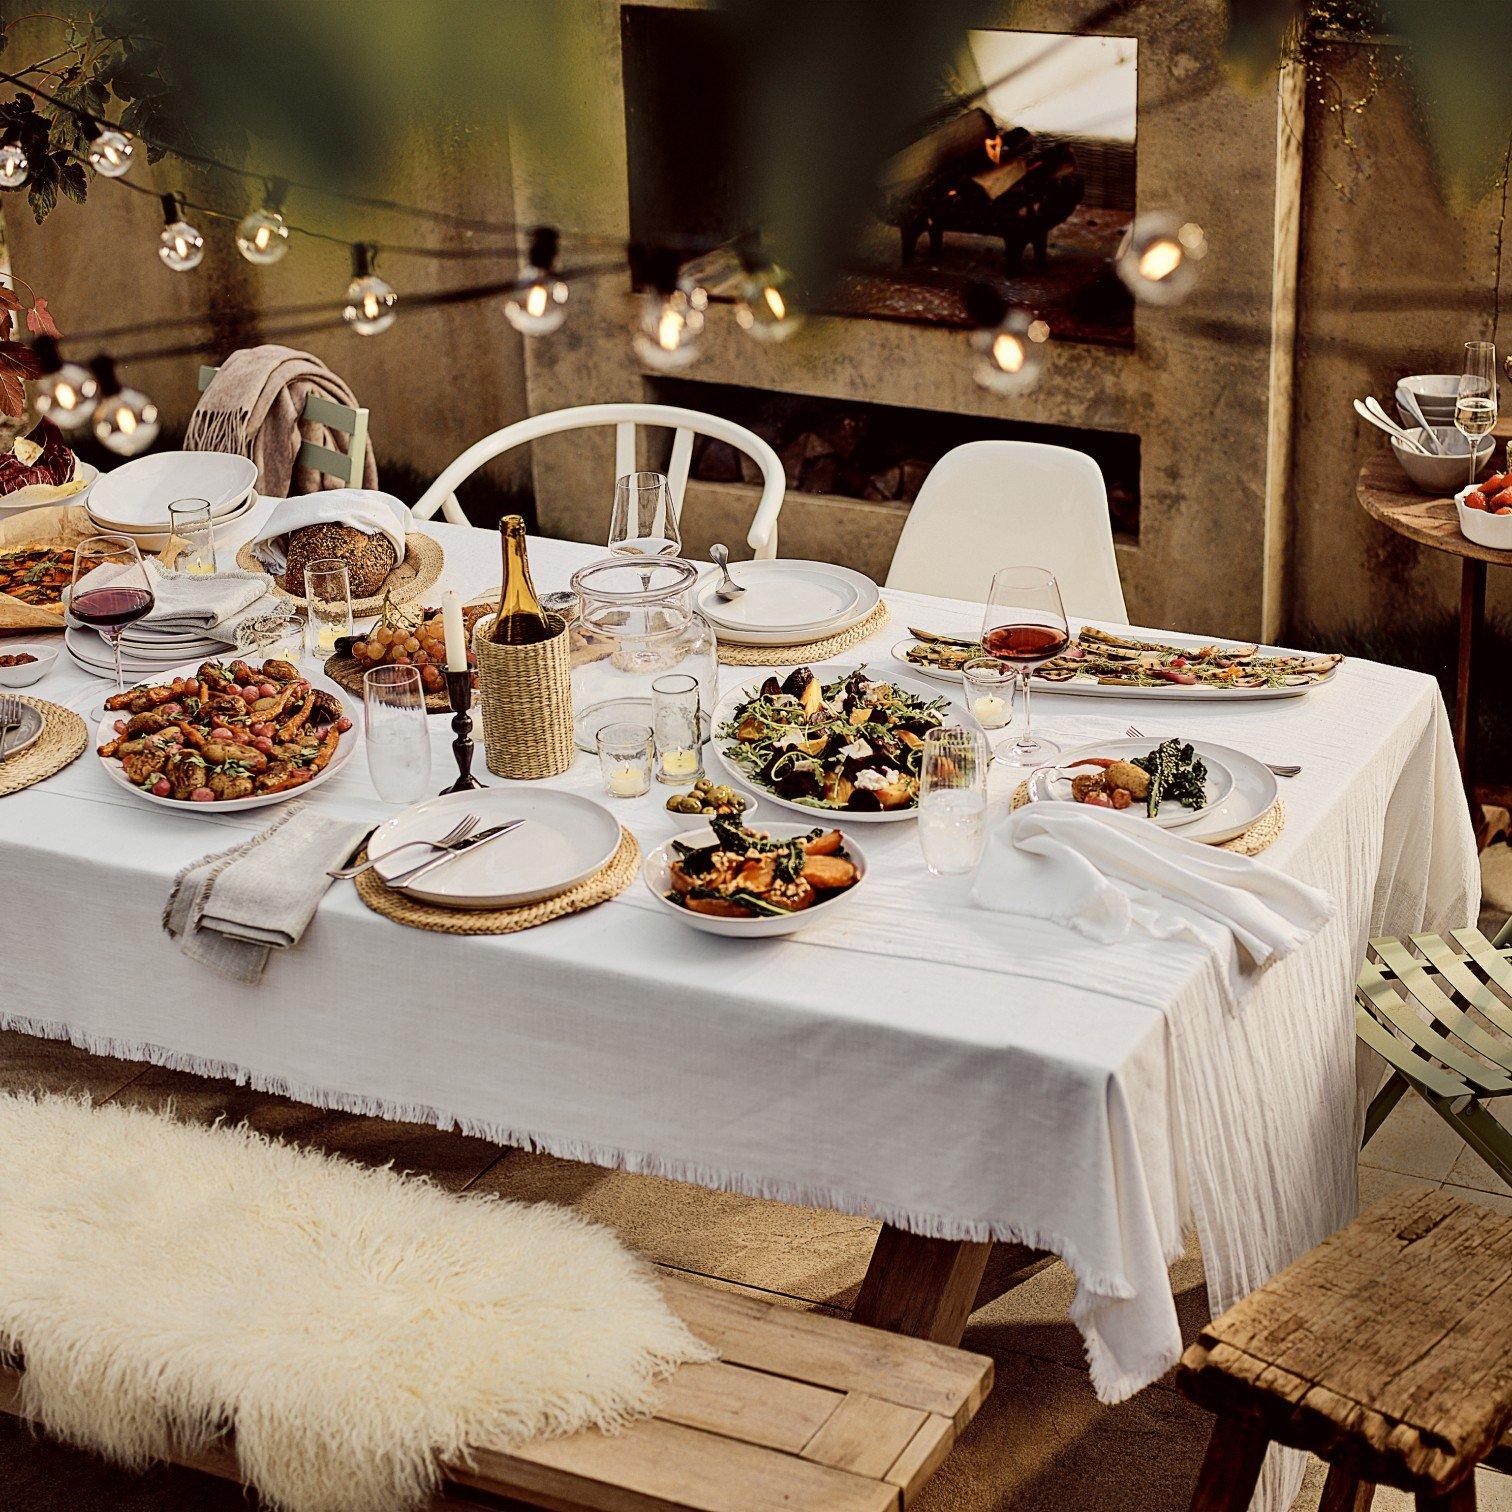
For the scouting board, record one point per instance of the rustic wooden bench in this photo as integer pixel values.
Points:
(802, 1410)
(1386, 1351)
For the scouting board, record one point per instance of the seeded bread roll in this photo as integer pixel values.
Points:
(369, 558)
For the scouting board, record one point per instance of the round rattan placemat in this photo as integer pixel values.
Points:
(420, 569)
(1258, 837)
(611, 880)
(810, 651)
(63, 738)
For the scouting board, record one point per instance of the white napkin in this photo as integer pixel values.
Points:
(184, 603)
(366, 509)
(231, 910)
(1105, 873)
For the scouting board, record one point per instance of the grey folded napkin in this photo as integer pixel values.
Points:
(231, 910)
(184, 601)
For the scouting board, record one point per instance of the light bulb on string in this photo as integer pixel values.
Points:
(110, 151)
(64, 392)
(180, 245)
(1158, 256)
(1008, 343)
(370, 301)
(765, 308)
(538, 304)
(262, 236)
(670, 319)
(125, 421)
(13, 165)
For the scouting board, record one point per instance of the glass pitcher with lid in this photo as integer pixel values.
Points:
(634, 625)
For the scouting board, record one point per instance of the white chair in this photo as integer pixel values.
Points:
(685, 423)
(342, 418)
(992, 504)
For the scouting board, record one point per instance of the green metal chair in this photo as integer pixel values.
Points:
(1438, 1009)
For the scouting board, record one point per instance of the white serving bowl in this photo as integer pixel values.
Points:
(658, 877)
(1438, 475)
(1483, 527)
(46, 653)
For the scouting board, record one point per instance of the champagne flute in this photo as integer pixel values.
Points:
(644, 522)
(110, 589)
(1475, 402)
(1025, 625)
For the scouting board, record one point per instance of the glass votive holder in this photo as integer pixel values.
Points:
(328, 597)
(989, 686)
(191, 539)
(625, 752)
(677, 718)
(278, 634)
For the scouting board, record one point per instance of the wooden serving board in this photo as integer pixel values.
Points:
(346, 672)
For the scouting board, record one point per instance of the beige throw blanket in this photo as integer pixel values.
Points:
(253, 408)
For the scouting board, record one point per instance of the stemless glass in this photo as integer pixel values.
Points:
(396, 733)
(1475, 402)
(677, 718)
(988, 685)
(644, 522)
(953, 800)
(328, 593)
(109, 589)
(1024, 626)
(191, 538)
(625, 759)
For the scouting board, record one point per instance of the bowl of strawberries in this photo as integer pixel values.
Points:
(1485, 511)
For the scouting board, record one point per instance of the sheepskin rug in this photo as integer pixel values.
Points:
(167, 1283)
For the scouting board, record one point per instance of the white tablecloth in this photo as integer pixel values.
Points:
(958, 1073)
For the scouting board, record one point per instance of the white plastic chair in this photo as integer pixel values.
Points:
(686, 423)
(992, 504)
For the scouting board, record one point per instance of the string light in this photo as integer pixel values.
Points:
(262, 236)
(765, 307)
(125, 420)
(1009, 343)
(110, 151)
(13, 164)
(64, 392)
(671, 317)
(180, 245)
(540, 307)
(370, 301)
(1158, 258)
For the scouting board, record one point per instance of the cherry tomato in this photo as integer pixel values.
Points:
(220, 732)
(202, 795)
(161, 788)
(343, 725)
(171, 708)
(267, 689)
(262, 743)
(251, 694)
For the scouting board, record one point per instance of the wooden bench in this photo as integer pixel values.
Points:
(1386, 1351)
(801, 1410)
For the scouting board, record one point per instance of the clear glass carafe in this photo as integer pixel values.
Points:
(634, 625)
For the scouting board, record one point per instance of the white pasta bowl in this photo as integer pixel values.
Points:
(1483, 527)
(658, 877)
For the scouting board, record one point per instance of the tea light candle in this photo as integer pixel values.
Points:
(991, 711)
(680, 763)
(628, 782)
(456, 640)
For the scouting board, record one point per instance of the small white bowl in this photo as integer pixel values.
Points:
(658, 876)
(24, 676)
(1483, 527)
(1437, 475)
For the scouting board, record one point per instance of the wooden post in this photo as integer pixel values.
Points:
(925, 1288)
(1472, 612)
(1461, 1499)
(1344, 1491)
(1231, 1467)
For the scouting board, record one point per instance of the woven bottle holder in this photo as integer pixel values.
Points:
(525, 699)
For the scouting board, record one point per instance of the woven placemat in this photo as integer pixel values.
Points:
(1258, 837)
(611, 880)
(420, 569)
(63, 738)
(811, 651)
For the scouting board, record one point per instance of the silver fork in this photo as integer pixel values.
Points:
(460, 831)
(10, 719)
(1280, 771)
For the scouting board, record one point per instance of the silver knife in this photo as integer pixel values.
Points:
(471, 843)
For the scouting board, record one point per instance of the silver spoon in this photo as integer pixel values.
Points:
(728, 588)
(1430, 436)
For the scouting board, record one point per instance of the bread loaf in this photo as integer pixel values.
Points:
(369, 558)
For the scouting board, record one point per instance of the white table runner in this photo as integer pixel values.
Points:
(958, 1073)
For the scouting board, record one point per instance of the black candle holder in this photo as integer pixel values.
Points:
(459, 691)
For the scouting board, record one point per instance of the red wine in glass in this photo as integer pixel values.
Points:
(1024, 624)
(111, 608)
(1026, 645)
(110, 588)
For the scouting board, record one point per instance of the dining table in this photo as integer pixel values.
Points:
(981, 1084)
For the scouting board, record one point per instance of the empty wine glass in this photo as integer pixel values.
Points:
(1025, 625)
(644, 522)
(1475, 401)
(953, 800)
(109, 590)
(396, 733)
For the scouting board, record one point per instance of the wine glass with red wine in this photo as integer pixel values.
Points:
(1024, 626)
(110, 589)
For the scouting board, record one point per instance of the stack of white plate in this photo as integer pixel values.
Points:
(144, 653)
(133, 499)
(786, 602)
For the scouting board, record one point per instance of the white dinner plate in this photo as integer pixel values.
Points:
(29, 734)
(658, 877)
(90, 651)
(565, 839)
(724, 712)
(786, 600)
(1055, 779)
(113, 769)
(137, 494)
(1254, 792)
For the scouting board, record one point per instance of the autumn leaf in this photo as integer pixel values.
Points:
(39, 320)
(9, 299)
(12, 396)
(18, 359)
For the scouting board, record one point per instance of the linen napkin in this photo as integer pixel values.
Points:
(231, 910)
(366, 509)
(183, 602)
(1105, 874)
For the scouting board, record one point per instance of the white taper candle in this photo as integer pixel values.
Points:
(456, 639)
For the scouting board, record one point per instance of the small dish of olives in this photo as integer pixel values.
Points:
(708, 799)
